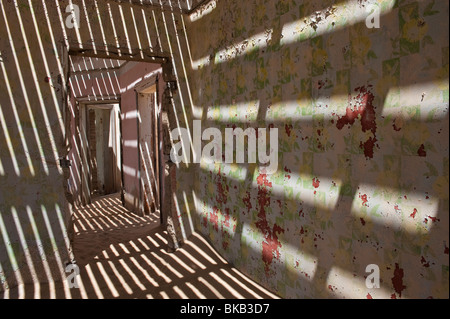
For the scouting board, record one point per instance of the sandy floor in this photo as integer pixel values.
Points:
(122, 255)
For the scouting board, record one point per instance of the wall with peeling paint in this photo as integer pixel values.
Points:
(363, 143)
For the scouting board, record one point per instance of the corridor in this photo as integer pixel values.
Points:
(123, 255)
(298, 149)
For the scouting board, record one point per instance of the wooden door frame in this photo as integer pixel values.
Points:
(152, 81)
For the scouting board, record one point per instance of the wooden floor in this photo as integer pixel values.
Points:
(123, 255)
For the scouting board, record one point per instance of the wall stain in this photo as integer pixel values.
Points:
(271, 243)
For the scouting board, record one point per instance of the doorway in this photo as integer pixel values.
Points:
(149, 148)
(102, 151)
(105, 149)
(111, 96)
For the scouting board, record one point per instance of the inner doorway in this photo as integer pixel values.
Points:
(104, 148)
(128, 93)
(149, 140)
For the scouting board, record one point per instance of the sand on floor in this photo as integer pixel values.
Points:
(122, 255)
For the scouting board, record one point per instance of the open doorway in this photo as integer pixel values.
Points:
(118, 138)
(149, 147)
(101, 147)
(104, 147)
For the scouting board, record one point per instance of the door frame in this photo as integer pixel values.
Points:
(151, 81)
(85, 169)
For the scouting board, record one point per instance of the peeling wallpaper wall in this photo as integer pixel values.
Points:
(363, 144)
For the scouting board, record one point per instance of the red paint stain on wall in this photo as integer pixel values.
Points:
(301, 213)
(320, 84)
(424, 262)
(434, 219)
(280, 204)
(397, 280)
(363, 222)
(364, 200)
(263, 181)
(247, 202)
(332, 288)
(349, 117)
(226, 222)
(316, 182)
(222, 189)
(288, 129)
(303, 234)
(421, 151)
(413, 215)
(288, 172)
(369, 296)
(396, 128)
(214, 218)
(364, 109)
(368, 146)
(271, 244)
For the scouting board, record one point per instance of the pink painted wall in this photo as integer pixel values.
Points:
(128, 80)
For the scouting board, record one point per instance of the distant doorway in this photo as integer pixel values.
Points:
(102, 164)
(105, 149)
